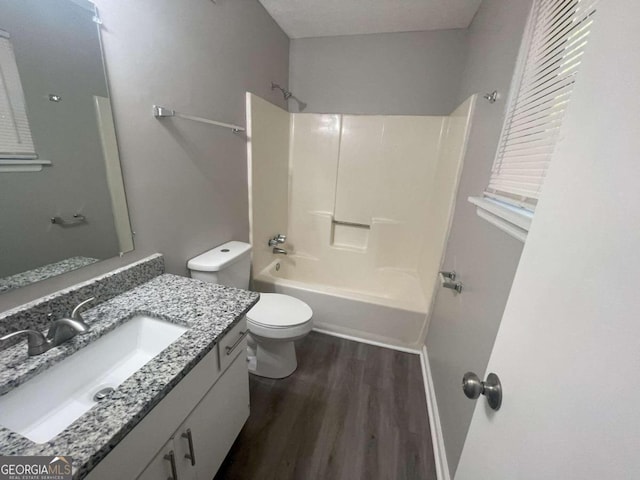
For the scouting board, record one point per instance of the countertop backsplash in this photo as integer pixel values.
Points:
(39, 313)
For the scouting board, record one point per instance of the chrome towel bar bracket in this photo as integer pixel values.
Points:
(78, 219)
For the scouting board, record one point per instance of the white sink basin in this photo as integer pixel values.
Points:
(47, 404)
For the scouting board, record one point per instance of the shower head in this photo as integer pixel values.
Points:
(288, 95)
(301, 105)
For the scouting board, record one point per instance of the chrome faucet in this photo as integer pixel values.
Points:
(59, 332)
(278, 239)
(279, 251)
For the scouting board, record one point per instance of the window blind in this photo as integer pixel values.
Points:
(15, 133)
(548, 65)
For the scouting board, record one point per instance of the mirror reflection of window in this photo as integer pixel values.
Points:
(16, 141)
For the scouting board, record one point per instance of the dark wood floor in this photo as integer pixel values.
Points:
(350, 411)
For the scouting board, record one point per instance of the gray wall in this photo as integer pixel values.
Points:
(463, 327)
(186, 182)
(57, 50)
(414, 73)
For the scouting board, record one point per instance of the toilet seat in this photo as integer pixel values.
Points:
(278, 311)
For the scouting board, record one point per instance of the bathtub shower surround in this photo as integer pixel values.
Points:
(366, 201)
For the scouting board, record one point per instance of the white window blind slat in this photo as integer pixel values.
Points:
(532, 140)
(545, 90)
(525, 164)
(550, 114)
(526, 177)
(554, 102)
(550, 58)
(551, 94)
(538, 124)
(571, 16)
(519, 146)
(15, 132)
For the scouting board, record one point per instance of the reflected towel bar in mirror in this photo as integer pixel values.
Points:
(78, 219)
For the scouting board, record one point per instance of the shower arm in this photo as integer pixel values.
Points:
(285, 93)
(289, 96)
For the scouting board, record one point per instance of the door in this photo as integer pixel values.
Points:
(568, 348)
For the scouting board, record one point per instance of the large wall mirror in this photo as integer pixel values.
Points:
(62, 200)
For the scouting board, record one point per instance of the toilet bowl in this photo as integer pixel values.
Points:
(274, 323)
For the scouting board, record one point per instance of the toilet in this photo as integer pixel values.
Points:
(274, 323)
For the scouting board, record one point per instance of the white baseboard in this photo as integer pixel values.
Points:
(439, 452)
(415, 351)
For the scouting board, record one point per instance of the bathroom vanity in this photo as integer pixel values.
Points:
(175, 415)
(188, 434)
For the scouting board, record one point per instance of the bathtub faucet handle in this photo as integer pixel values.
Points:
(450, 275)
(278, 239)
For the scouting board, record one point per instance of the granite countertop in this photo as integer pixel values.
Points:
(209, 310)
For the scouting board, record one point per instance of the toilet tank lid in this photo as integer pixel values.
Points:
(220, 257)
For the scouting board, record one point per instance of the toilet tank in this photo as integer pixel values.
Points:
(227, 264)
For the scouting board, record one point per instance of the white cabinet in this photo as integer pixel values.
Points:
(215, 423)
(191, 430)
(198, 447)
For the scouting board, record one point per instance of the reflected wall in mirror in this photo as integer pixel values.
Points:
(62, 199)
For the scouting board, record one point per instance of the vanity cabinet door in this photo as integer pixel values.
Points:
(167, 465)
(217, 420)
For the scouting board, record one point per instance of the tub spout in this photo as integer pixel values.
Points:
(280, 251)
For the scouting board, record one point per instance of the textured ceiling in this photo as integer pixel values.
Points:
(322, 18)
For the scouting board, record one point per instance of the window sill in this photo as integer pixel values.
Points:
(18, 165)
(511, 220)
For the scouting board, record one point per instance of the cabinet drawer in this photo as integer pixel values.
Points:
(233, 344)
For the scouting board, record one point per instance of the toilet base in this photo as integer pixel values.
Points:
(271, 359)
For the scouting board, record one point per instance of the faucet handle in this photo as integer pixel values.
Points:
(36, 340)
(75, 314)
(278, 239)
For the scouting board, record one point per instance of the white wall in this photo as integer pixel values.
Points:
(186, 183)
(268, 153)
(463, 327)
(413, 73)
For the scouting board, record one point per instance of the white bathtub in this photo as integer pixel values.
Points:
(388, 306)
